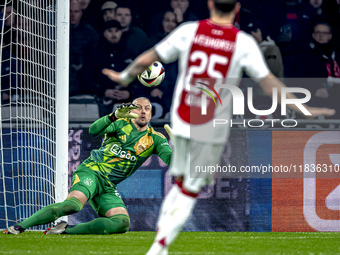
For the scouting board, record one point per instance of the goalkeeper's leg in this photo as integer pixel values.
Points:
(116, 221)
(115, 224)
(78, 196)
(52, 212)
(110, 205)
(47, 214)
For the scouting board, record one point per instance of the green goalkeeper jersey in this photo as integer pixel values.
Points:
(124, 148)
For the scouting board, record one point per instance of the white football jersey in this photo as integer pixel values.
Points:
(208, 53)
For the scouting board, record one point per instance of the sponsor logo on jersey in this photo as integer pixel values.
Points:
(88, 182)
(141, 146)
(217, 32)
(119, 152)
(123, 138)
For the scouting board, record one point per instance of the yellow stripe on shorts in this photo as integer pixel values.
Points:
(76, 180)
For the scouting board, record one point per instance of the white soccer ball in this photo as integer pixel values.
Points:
(153, 76)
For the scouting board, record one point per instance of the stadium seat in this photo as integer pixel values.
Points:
(83, 108)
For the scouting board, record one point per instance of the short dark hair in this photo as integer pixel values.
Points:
(112, 23)
(130, 7)
(224, 6)
(325, 23)
(126, 6)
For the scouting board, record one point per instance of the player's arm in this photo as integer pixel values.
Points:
(270, 81)
(166, 51)
(130, 73)
(162, 150)
(103, 125)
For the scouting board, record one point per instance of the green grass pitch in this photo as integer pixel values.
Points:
(209, 243)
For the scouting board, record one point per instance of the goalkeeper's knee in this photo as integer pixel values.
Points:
(115, 224)
(69, 206)
(119, 223)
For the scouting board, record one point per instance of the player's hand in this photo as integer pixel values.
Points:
(113, 76)
(169, 131)
(123, 111)
(315, 111)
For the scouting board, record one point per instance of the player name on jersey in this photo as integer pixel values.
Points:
(214, 43)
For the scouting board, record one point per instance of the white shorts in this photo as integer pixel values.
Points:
(189, 156)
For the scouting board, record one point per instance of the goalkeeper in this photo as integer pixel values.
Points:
(128, 143)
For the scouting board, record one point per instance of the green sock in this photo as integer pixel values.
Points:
(52, 212)
(115, 224)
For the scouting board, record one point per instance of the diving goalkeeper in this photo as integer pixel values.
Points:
(127, 145)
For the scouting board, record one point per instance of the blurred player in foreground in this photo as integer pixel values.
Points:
(212, 49)
(127, 145)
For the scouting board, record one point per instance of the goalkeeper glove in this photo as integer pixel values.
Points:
(169, 131)
(123, 111)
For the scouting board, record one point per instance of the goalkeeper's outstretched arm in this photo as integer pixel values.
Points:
(136, 67)
(103, 125)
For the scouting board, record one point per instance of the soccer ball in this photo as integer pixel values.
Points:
(153, 76)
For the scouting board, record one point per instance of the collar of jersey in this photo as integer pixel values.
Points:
(219, 24)
(134, 127)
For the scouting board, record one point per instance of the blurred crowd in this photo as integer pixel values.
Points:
(298, 38)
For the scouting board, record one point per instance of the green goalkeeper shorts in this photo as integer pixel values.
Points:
(100, 193)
